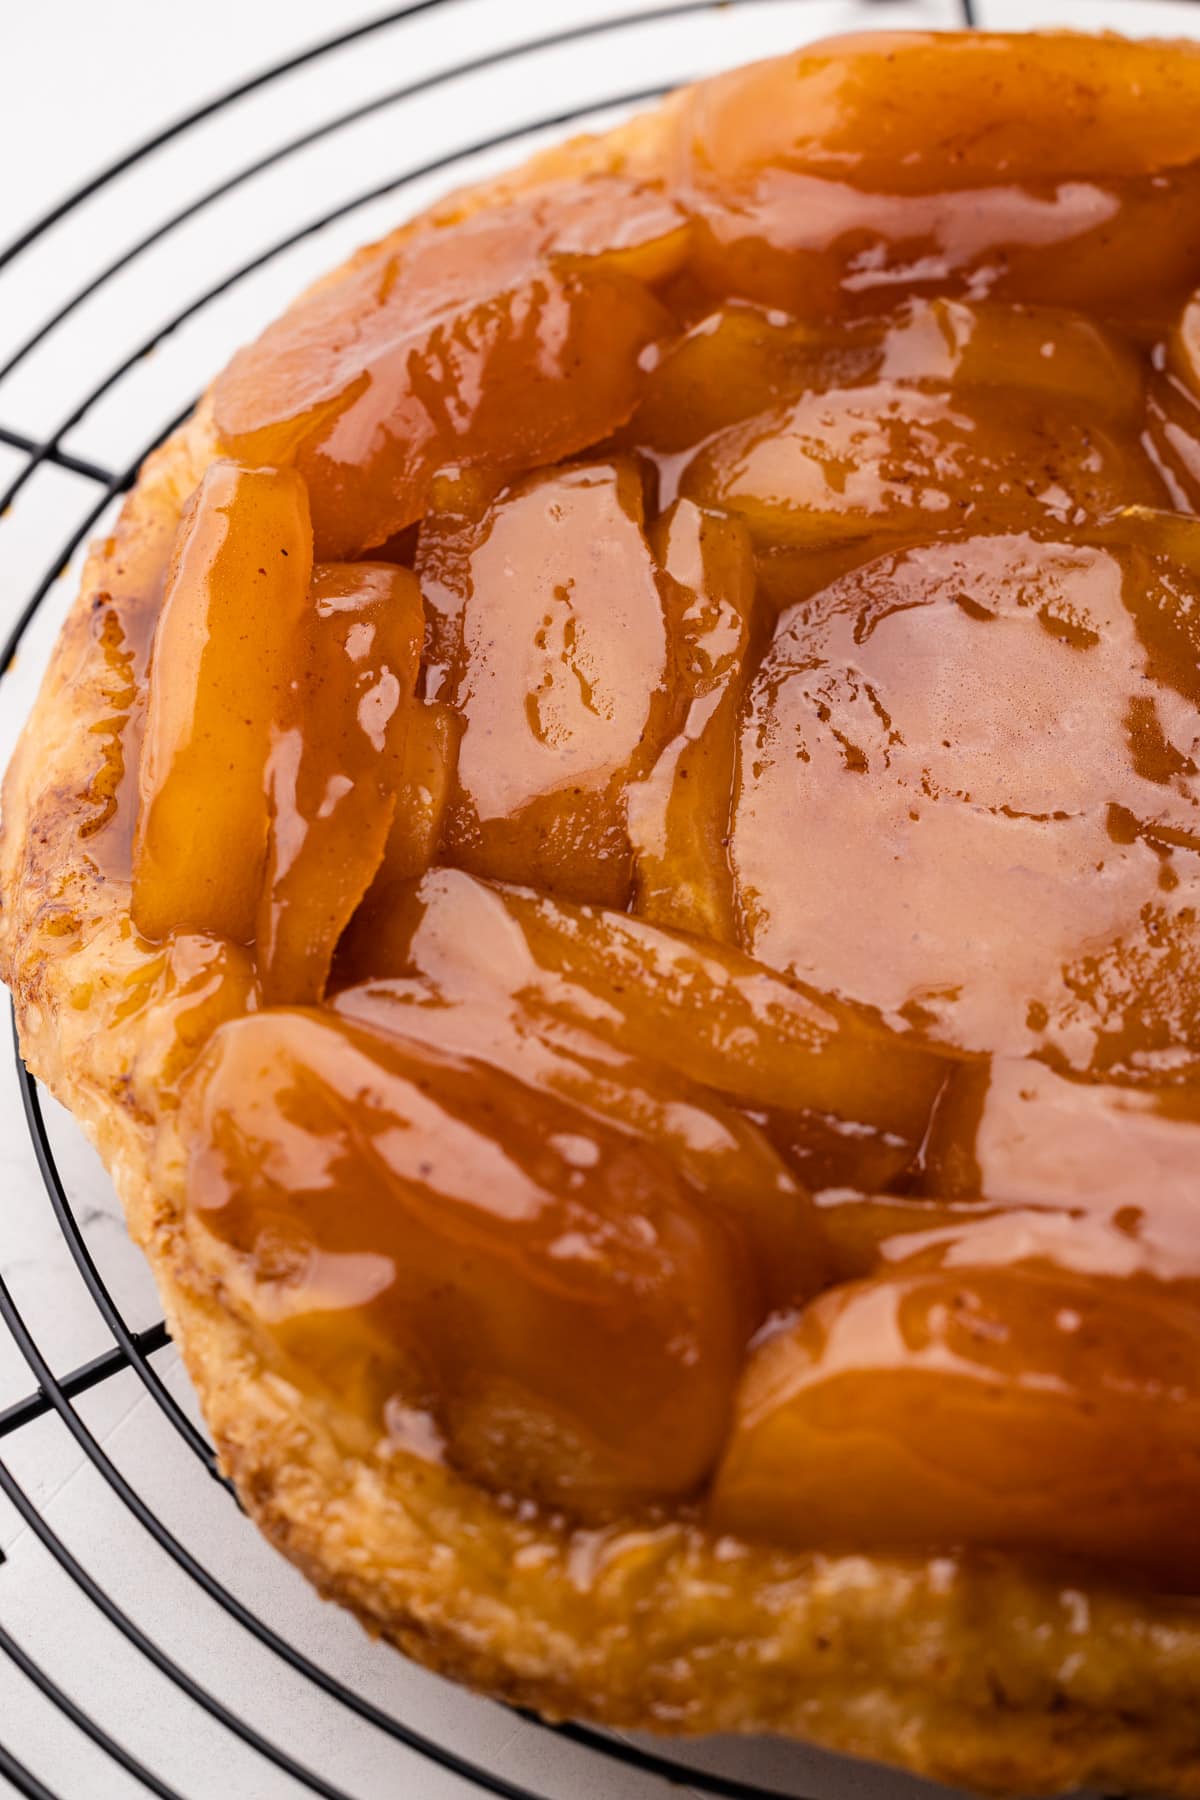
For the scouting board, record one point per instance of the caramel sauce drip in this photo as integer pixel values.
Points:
(717, 829)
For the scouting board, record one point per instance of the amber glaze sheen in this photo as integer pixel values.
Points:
(732, 990)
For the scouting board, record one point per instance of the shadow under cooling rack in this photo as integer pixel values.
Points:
(665, 44)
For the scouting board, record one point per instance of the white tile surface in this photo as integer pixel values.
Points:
(79, 84)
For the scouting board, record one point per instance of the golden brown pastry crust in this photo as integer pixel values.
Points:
(978, 1673)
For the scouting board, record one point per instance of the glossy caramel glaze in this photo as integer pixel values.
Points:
(682, 922)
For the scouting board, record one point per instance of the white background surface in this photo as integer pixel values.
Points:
(79, 83)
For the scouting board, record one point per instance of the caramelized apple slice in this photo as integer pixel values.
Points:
(563, 211)
(1052, 351)
(1138, 250)
(1016, 1131)
(423, 776)
(307, 362)
(222, 661)
(739, 362)
(1151, 1242)
(525, 378)
(464, 347)
(976, 1409)
(723, 1021)
(126, 576)
(967, 735)
(889, 458)
(447, 540)
(413, 1230)
(1055, 167)
(561, 682)
(679, 815)
(720, 1152)
(902, 112)
(867, 1233)
(332, 779)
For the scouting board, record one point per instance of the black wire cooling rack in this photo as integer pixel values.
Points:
(665, 44)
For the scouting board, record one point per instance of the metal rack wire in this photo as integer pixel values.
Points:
(135, 1349)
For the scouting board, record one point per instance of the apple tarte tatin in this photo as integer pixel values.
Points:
(611, 855)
